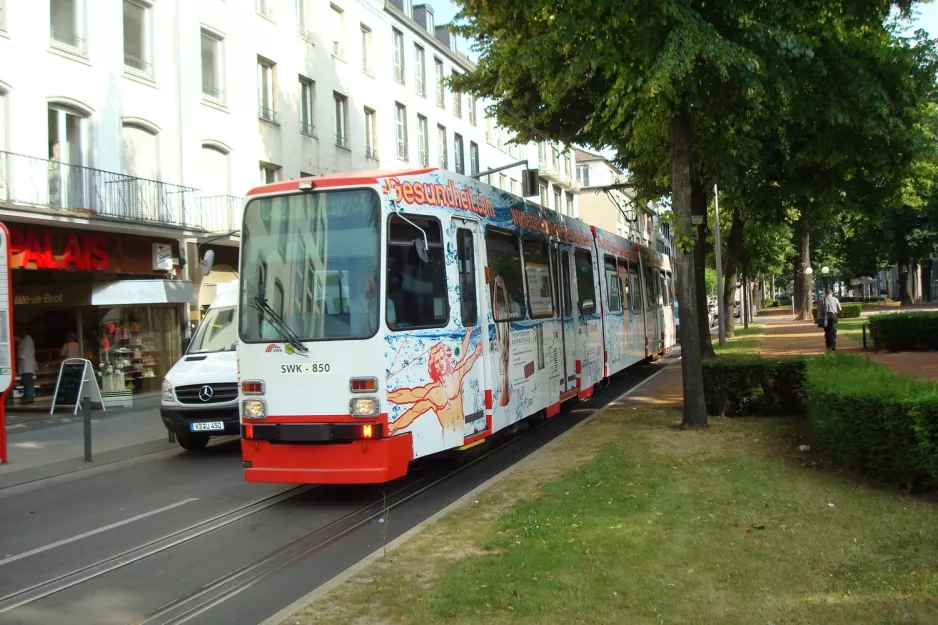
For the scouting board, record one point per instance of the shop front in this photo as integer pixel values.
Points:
(114, 295)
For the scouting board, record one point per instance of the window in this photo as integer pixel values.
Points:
(3, 25)
(504, 261)
(567, 284)
(502, 182)
(366, 50)
(371, 134)
(304, 15)
(490, 130)
(583, 174)
(440, 84)
(266, 90)
(613, 292)
(557, 207)
(136, 39)
(651, 299)
(665, 291)
(269, 173)
(473, 158)
(441, 145)
(570, 207)
(212, 85)
(397, 40)
(624, 284)
(400, 118)
(431, 27)
(409, 8)
(65, 24)
(337, 28)
(423, 141)
(307, 100)
(417, 296)
(635, 290)
(458, 153)
(283, 242)
(472, 110)
(420, 71)
(68, 141)
(215, 177)
(263, 8)
(543, 194)
(341, 120)
(140, 164)
(513, 185)
(466, 266)
(537, 275)
(586, 290)
(457, 101)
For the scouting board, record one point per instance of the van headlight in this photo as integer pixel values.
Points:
(167, 392)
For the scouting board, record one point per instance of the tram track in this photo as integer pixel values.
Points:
(189, 605)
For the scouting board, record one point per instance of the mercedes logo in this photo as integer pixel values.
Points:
(206, 393)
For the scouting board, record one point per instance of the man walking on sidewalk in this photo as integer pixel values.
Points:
(829, 309)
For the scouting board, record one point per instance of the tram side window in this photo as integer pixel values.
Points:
(665, 291)
(613, 290)
(584, 281)
(650, 299)
(567, 283)
(504, 262)
(466, 260)
(637, 299)
(416, 289)
(537, 277)
(623, 272)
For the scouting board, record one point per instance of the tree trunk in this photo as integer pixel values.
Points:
(698, 206)
(747, 295)
(732, 254)
(906, 295)
(679, 135)
(802, 295)
(927, 279)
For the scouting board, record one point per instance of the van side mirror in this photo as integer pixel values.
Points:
(208, 261)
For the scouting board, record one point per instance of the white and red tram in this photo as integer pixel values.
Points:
(388, 316)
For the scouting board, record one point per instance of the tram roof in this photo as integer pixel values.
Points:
(338, 180)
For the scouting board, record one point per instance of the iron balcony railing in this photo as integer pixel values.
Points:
(221, 213)
(371, 153)
(37, 182)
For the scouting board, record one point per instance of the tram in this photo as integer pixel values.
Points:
(389, 316)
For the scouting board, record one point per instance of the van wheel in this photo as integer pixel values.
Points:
(192, 442)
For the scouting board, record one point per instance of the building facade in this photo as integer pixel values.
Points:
(130, 131)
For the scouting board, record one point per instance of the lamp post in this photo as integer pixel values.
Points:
(807, 272)
(825, 270)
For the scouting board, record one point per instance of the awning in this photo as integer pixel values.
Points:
(131, 292)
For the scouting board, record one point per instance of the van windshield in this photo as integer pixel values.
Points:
(218, 332)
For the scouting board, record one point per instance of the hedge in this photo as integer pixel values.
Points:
(864, 416)
(873, 420)
(847, 311)
(864, 300)
(912, 331)
(754, 386)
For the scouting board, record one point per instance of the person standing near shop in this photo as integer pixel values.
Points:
(71, 348)
(26, 353)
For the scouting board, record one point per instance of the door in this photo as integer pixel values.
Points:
(473, 341)
(562, 258)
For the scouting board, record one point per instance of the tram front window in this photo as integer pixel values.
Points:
(321, 249)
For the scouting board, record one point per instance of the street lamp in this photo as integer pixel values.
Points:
(807, 271)
(825, 270)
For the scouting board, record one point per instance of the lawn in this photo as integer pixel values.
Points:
(746, 341)
(728, 525)
(852, 329)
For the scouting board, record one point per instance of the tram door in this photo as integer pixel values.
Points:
(471, 317)
(565, 341)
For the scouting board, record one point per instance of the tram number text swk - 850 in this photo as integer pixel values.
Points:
(305, 368)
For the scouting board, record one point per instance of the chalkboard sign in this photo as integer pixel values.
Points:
(76, 381)
(71, 376)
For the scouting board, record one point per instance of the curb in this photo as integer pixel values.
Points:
(348, 573)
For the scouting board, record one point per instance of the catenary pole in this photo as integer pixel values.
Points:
(721, 317)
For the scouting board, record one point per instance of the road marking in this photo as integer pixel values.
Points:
(66, 541)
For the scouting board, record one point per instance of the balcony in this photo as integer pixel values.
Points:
(221, 213)
(30, 182)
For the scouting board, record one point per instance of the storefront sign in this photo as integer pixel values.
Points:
(31, 249)
(163, 257)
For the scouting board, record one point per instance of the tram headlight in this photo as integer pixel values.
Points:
(167, 391)
(364, 407)
(253, 409)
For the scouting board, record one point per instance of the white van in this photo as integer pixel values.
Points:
(200, 392)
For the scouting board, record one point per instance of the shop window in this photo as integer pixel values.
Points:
(504, 261)
(537, 277)
(586, 289)
(613, 292)
(416, 286)
(466, 261)
(137, 345)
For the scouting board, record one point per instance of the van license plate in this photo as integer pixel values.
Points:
(207, 426)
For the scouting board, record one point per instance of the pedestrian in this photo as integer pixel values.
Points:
(71, 348)
(26, 354)
(829, 310)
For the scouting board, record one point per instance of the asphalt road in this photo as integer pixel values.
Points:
(181, 537)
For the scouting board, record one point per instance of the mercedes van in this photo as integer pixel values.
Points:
(200, 392)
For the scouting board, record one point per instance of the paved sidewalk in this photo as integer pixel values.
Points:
(784, 337)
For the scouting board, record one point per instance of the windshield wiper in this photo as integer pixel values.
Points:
(286, 332)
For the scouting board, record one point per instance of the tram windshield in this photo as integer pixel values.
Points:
(312, 258)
